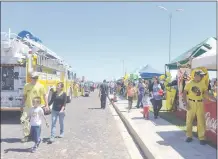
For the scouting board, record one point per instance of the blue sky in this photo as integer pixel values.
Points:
(95, 37)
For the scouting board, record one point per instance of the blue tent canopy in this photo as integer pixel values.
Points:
(149, 72)
(27, 34)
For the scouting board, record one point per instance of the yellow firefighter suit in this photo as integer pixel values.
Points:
(30, 91)
(75, 90)
(196, 108)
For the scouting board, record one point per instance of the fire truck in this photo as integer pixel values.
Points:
(21, 56)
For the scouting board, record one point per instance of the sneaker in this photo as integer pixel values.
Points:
(40, 140)
(188, 139)
(51, 140)
(25, 139)
(203, 142)
(33, 149)
(61, 136)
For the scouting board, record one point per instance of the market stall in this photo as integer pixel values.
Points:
(194, 52)
(207, 60)
(201, 56)
(148, 72)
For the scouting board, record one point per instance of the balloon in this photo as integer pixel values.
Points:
(168, 80)
(168, 74)
(162, 77)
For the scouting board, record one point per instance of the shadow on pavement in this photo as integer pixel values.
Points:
(122, 102)
(176, 140)
(11, 140)
(138, 118)
(173, 119)
(94, 108)
(156, 122)
(10, 117)
(122, 111)
(159, 121)
(17, 150)
(45, 140)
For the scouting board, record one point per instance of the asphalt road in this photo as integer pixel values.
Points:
(90, 133)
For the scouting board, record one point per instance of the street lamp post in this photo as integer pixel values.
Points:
(123, 68)
(170, 17)
(170, 14)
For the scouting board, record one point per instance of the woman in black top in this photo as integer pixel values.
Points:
(58, 99)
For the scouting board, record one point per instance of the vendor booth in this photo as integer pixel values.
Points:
(194, 52)
(202, 56)
(207, 60)
(148, 72)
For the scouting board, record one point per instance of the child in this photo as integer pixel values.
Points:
(35, 116)
(130, 94)
(146, 101)
(146, 105)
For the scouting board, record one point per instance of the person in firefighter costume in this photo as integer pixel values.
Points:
(194, 92)
(31, 90)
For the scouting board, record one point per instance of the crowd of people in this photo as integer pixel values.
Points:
(146, 92)
(152, 92)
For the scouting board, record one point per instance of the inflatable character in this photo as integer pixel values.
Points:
(170, 91)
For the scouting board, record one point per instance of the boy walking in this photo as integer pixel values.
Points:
(35, 116)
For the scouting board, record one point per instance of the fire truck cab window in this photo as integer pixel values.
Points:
(68, 75)
(71, 75)
(39, 69)
(38, 60)
(7, 76)
(41, 60)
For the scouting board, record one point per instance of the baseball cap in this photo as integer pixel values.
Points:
(34, 75)
(199, 72)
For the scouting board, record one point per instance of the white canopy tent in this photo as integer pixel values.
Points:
(207, 60)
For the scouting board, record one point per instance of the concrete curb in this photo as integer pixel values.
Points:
(136, 138)
(127, 138)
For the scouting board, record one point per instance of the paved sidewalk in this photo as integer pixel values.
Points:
(159, 139)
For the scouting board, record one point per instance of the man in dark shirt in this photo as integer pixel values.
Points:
(103, 93)
(141, 91)
(122, 87)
